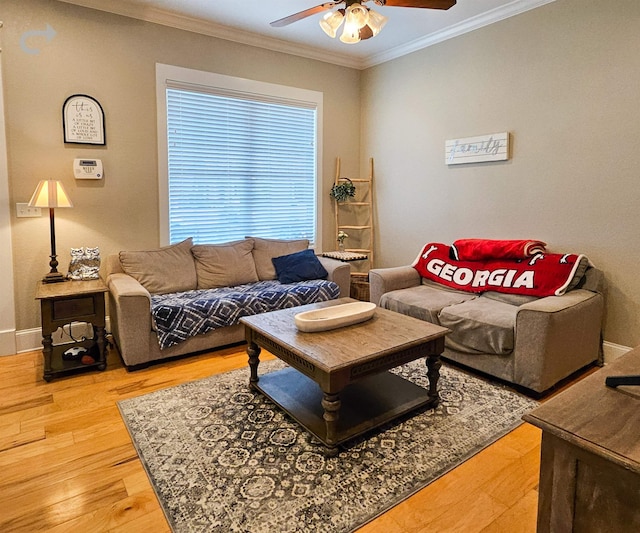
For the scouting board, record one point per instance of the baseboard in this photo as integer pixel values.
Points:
(612, 351)
(29, 340)
(8, 342)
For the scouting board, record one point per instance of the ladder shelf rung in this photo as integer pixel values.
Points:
(358, 212)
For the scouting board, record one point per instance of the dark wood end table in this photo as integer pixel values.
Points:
(66, 302)
(338, 385)
(590, 458)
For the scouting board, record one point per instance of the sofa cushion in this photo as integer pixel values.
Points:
(224, 265)
(511, 299)
(164, 270)
(423, 301)
(177, 317)
(482, 325)
(264, 250)
(299, 266)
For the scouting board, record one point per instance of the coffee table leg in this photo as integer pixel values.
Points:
(433, 373)
(331, 405)
(253, 350)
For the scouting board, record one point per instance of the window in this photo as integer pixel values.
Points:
(242, 158)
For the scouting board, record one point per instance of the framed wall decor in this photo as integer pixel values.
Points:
(83, 120)
(480, 149)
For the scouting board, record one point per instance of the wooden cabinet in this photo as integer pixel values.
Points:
(61, 304)
(590, 461)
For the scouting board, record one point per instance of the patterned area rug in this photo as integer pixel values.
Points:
(223, 458)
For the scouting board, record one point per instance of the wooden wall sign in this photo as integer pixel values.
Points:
(83, 120)
(491, 147)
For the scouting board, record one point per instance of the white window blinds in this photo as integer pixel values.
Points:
(239, 166)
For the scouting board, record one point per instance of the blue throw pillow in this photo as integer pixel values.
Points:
(300, 266)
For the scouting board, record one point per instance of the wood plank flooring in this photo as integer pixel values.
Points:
(67, 463)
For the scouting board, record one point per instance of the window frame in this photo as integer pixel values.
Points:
(169, 76)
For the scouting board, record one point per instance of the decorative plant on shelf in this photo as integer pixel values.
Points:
(341, 237)
(343, 190)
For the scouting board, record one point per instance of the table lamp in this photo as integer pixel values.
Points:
(51, 194)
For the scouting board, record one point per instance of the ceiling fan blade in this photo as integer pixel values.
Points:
(427, 4)
(304, 14)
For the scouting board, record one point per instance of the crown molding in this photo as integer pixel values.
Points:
(489, 17)
(211, 29)
(182, 22)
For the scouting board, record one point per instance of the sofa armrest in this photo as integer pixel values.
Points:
(130, 314)
(553, 304)
(382, 280)
(555, 336)
(339, 272)
(123, 285)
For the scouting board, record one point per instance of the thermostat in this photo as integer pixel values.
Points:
(87, 169)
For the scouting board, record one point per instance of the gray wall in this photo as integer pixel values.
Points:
(113, 59)
(564, 79)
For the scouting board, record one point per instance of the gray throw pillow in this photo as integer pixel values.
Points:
(165, 270)
(264, 250)
(224, 265)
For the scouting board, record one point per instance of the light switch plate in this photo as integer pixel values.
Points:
(24, 211)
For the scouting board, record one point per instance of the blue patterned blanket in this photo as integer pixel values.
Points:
(180, 315)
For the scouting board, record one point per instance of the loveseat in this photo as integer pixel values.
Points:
(188, 298)
(530, 341)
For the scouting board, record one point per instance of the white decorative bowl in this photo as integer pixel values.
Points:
(336, 316)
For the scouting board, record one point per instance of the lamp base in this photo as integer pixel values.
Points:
(54, 277)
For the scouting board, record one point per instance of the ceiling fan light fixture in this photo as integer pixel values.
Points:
(376, 22)
(357, 15)
(350, 34)
(360, 23)
(331, 22)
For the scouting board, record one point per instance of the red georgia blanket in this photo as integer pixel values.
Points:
(541, 275)
(480, 249)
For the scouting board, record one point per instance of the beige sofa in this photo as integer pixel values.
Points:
(527, 341)
(134, 277)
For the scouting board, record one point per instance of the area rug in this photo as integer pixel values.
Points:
(223, 458)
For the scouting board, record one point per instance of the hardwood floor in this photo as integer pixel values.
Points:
(67, 462)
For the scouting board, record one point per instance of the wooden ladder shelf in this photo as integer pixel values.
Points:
(356, 216)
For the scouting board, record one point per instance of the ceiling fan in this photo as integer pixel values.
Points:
(360, 22)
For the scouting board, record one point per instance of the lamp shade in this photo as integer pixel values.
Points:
(376, 21)
(50, 193)
(350, 35)
(331, 22)
(357, 15)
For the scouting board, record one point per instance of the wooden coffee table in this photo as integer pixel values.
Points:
(338, 385)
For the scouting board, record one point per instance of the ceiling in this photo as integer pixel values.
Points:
(247, 21)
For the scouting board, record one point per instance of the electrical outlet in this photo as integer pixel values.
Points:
(24, 211)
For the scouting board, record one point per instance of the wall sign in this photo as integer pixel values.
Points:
(83, 120)
(491, 147)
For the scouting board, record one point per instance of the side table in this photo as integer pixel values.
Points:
(66, 302)
(359, 289)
